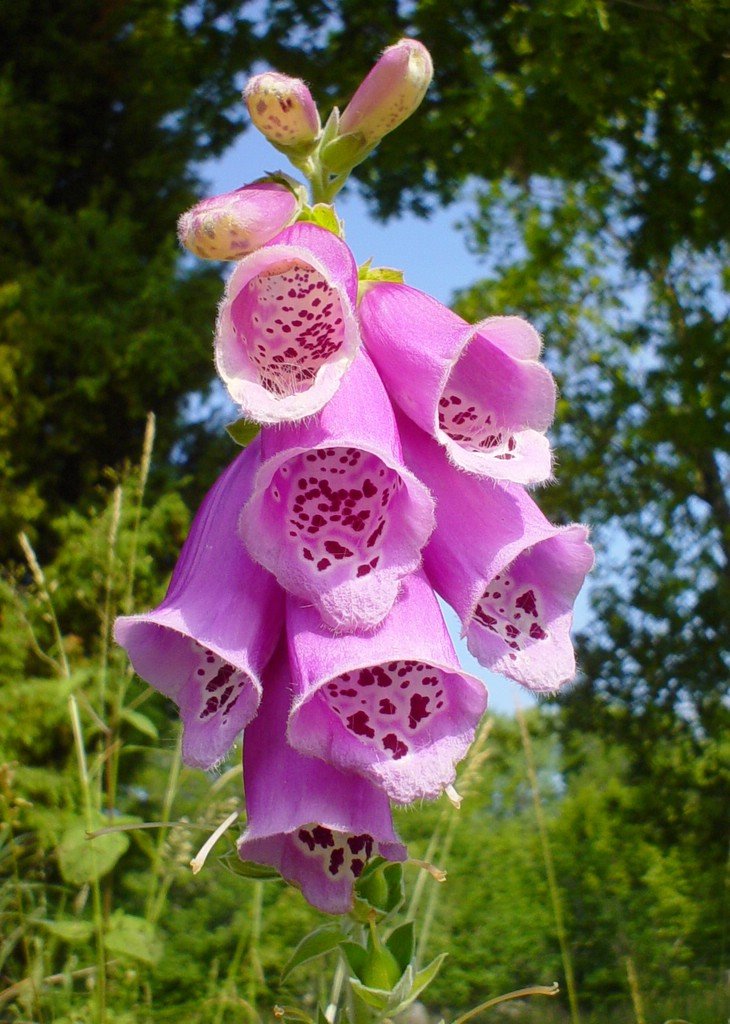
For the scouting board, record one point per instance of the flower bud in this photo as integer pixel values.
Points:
(391, 92)
(282, 108)
(229, 226)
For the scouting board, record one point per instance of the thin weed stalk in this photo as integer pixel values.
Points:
(549, 867)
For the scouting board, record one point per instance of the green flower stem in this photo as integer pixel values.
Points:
(522, 993)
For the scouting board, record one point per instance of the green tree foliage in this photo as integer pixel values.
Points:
(105, 108)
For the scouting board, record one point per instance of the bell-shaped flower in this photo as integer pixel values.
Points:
(283, 110)
(206, 645)
(478, 389)
(334, 514)
(287, 330)
(510, 575)
(391, 92)
(314, 824)
(231, 225)
(394, 705)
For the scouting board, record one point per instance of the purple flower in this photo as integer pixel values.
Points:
(286, 329)
(394, 705)
(316, 825)
(390, 93)
(207, 643)
(231, 225)
(511, 576)
(282, 108)
(478, 390)
(334, 513)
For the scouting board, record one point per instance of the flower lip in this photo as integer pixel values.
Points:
(394, 706)
(287, 330)
(478, 389)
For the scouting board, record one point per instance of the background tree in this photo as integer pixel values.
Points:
(106, 109)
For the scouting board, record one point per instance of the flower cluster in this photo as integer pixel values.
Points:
(397, 441)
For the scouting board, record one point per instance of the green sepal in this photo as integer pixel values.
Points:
(318, 943)
(381, 970)
(243, 431)
(401, 943)
(367, 272)
(345, 152)
(331, 128)
(356, 955)
(248, 868)
(324, 216)
(380, 886)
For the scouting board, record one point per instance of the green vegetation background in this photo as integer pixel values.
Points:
(593, 135)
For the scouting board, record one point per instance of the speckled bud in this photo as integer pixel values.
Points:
(282, 109)
(391, 92)
(232, 225)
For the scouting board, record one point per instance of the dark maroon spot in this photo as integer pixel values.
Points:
(357, 843)
(337, 859)
(391, 742)
(375, 534)
(358, 723)
(527, 603)
(387, 707)
(323, 836)
(537, 632)
(336, 549)
(323, 563)
(418, 709)
(362, 570)
(366, 677)
(356, 866)
(306, 838)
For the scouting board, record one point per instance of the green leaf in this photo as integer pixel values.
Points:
(376, 997)
(133, 937)
(243, 431)
(400, 943)
(84, 860)
(70, 929)
(248, 868)
(140, 722)
(421, 981)
(318, 943)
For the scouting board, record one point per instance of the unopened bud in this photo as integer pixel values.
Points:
(230, 226)
(391, 92)
(283, 110)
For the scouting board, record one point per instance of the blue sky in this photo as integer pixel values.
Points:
(435, 259)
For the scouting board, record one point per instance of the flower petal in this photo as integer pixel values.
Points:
(207, 643)
(334, 514)
(511, 576)
(478, 390)
(286, 329)
(394, 705)
(316, 825)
